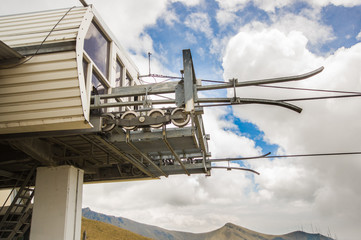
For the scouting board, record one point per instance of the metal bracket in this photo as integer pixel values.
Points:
(172, 151)
(129, 142)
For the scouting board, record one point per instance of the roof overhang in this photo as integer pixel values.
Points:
(7, 54)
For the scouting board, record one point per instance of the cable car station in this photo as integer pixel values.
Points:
(73, 110)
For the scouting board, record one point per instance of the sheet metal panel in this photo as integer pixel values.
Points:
(31, 28)
(41, 95)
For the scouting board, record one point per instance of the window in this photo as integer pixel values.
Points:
(85, 70)
(98, 86)
(97, 47)
(118, 74)
(128, 80)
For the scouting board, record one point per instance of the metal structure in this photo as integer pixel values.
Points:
(132, 144)
(61, 105)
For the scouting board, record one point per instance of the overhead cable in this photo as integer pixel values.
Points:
(283, 156)
(308, 89)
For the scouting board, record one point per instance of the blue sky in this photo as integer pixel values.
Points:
(248, 39)
(169, 39)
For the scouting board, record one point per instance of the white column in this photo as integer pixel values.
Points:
(57, 204)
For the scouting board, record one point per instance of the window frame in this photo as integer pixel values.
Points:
(109, 48)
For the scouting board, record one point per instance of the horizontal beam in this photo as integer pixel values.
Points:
(37, 149)
(169, 87)
(7, 174)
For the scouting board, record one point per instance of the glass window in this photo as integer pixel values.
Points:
(99, 87)
(118, 74)
(128, 80)
(97, 47)
(85, 70)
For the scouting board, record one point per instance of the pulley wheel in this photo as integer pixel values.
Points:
(129, 115)
(108, 122)
(182, 118)
(154, 114)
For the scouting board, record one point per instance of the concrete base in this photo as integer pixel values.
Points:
(57, 204)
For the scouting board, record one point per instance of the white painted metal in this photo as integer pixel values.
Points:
(48, 92)
(31, 29)
(84, 90)
(41, 95)
(57, 204)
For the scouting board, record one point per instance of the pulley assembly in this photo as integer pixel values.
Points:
(154, 118)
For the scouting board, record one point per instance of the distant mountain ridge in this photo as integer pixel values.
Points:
(228, 232)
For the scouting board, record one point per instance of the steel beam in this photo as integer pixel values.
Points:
(37, 149)
(189, 81)
(143, 155)
(170, 87)
(7, 174)
(173, 152)
(139, 165)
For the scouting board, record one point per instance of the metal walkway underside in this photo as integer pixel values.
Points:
(119, 155)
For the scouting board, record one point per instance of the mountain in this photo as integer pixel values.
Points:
(96, 230)
(227, 232)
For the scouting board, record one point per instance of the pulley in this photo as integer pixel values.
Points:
(179, 117)
(129, 115)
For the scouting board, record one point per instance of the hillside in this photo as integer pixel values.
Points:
(96, 230)
(227, 232)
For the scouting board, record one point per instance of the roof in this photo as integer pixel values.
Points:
(26, 32)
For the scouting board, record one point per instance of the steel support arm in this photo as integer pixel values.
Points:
(169, 87)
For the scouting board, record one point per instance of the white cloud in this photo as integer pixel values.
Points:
(224, 136)
(131, 35)
(345, 3)
(189, 3)
(322, 184)
(170, 17)
(224, 17)
(232, 5)
(270, 6)
(199, 21)
(308, 23)
(358, 37)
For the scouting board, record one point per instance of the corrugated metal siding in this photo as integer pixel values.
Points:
(41, 95)
(31, 28)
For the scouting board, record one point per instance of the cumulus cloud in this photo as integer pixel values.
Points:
(308, 23)
(199, 21)
(227, 140)
(131, 35)
(323, 126)
(345, 3)
(270, 6)
(189, 3)
(224, 17)
(232, 5)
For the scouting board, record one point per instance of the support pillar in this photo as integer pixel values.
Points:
(57, 204)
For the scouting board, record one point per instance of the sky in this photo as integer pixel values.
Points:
(247, 40)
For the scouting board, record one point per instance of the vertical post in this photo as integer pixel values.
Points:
(57, 204)
(189, 81)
